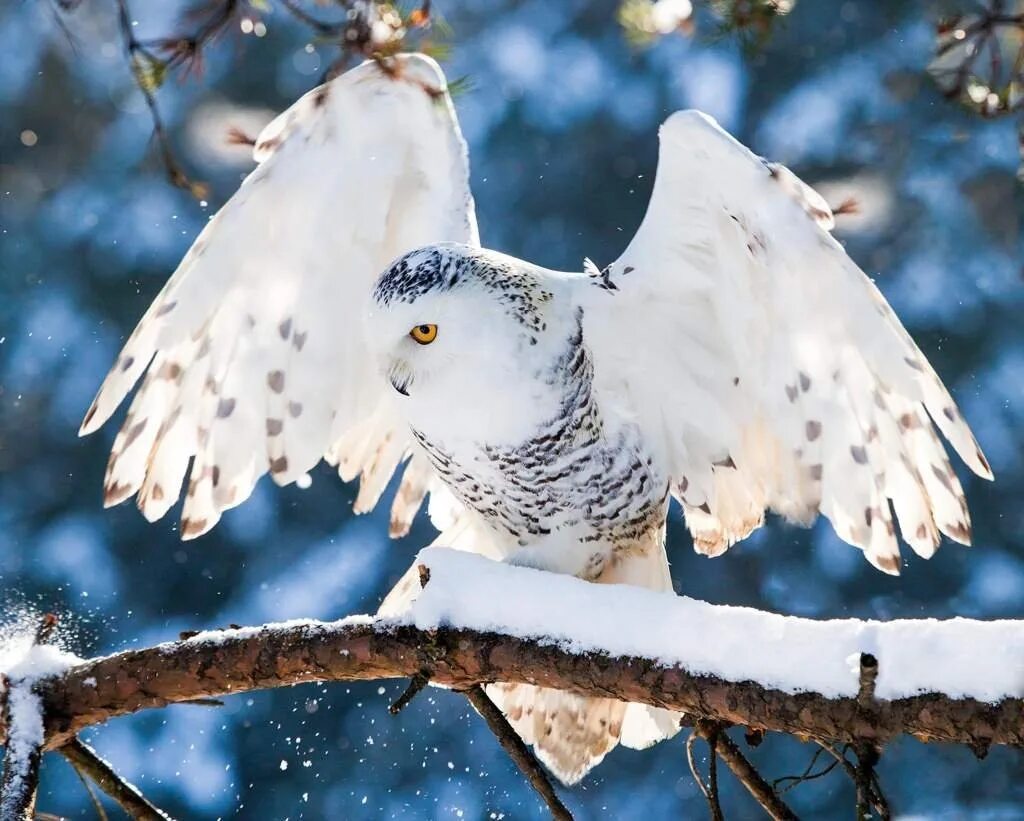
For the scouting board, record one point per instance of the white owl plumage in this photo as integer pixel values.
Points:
(733, 357)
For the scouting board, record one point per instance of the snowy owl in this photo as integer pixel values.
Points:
(733, 358)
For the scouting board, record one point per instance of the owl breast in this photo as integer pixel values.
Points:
(579, 484)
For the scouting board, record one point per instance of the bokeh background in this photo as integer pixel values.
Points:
(561, 126)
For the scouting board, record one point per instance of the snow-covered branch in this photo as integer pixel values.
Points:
(477, 621)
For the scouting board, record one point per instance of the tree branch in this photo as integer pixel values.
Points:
(750, 778)
(85, 760)
(233, 661)
(23, 750)
(517, 751)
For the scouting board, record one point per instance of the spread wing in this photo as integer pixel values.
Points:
(254, 353)
(765, 367)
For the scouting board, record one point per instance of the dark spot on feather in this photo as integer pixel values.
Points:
(274, 427)
(859, 454)
(166, 308)
(792, 392)
(942, 476)
(705, 507)
(949, 413)
(299, 339)
(921, 532)
(805, 382)
(127, 362)
(978, 453)
(215, 475)
(193, 527)
(115, 492)
(812, 430)
(157, 493)
(960, 531)
(133, 433)
(295, 409)
(888, 563)
(628, 269)
(908, 421)
(320, 95)
(275, 380)
(279, 465)
(816, 472)
(225, 407)
(170, 371)
(285, 328)
(868, 515)
(917, 366)
(727, 462)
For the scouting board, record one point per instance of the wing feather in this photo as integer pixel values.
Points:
(784, 380)
(255, 348)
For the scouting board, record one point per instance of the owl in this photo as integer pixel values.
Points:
(733, 358)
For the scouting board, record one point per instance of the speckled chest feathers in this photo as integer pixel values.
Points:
(504, 404)
(580, 483)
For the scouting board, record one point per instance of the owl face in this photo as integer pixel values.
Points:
(456, 327)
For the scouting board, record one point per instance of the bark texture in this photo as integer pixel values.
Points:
(236, 661)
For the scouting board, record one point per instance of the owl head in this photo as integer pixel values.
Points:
(453, 326)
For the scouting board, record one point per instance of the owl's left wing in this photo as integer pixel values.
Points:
(254, 353)
(765, 368)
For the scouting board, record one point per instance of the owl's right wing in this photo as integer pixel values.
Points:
(254, 352)
(765, 369)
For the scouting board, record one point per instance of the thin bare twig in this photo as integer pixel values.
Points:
(139, 56)
(416, 684)
(97, 805)
(47, 625)
(321, 27)
(806, 775)
(709, 731)
(517, 751)
(85, 760)
(750, 778)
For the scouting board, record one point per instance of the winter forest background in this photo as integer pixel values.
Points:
(561, 123)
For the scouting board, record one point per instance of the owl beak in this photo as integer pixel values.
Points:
(400, 377)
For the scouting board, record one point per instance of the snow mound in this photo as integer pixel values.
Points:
(961, 658)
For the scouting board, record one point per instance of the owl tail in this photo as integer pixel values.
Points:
(571, 734)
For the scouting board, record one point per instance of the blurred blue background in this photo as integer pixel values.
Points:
(561, 127)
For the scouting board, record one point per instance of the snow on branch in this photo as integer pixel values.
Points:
(475, 621)
(479, 621)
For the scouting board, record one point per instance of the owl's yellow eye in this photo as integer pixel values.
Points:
(424, 334)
